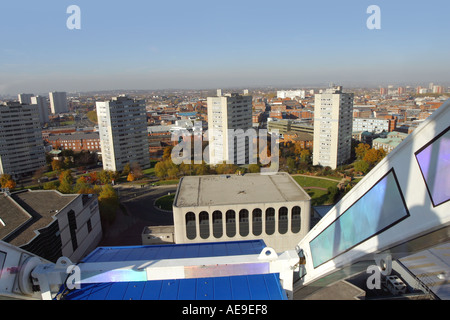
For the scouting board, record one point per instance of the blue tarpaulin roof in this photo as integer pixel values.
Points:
(175, 251)
(249, 287)
(241, 287)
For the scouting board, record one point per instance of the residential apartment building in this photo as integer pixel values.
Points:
(58, 102)
(78, 141)
(371, 125)
(332, 127)
(21, 145)
(123, 133)
(226, 114)
(42, 106)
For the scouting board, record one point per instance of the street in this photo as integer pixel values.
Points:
(141, 212)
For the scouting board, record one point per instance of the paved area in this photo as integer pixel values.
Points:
(141, 212)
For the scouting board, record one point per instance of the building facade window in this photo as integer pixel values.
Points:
(230, 223)
(203, 221)
(282, 220)
(217, 224)
(191, 232)
(243, 223)
(270, 221)
(295, 219)
(257, 222)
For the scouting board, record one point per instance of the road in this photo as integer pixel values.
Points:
(141, 212)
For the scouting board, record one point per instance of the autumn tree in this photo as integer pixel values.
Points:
(167, 154)
(5, 179)
(373, 156)
(92, 116)
(57, 165)
(65, 182)
(136, 170)
(361, 166)
(126, 169)
(166, 169)
(305, 155)
(361, 150)
(254, 168)
(108, 202)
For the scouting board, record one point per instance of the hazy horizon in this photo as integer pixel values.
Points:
(204, 45)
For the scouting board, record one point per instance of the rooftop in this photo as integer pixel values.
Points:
(28, 211)
(216, 190)
(247, 283)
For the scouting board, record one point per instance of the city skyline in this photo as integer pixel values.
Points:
(154, 46)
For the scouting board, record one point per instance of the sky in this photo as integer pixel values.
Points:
(197, 44)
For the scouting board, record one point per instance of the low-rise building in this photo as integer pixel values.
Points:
(241, 207)
(50, 224)
(389, 142)
(78, 141)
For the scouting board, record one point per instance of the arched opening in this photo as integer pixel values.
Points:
(217, 224)
(203, 219)
(230, 223)
(257, 222)
(243, 223)
(282, 220)
(270, 221)
(295, 220)
(191, 232)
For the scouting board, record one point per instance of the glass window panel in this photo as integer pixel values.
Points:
(379, 209)
(257, 222)
(191, 232)
(270, 221)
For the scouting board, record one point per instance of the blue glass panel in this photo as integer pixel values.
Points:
(434, 163)
(380, 208)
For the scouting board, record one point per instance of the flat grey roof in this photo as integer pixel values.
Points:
(198, 191)
(25, 212)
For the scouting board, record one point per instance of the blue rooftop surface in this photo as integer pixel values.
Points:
(249, 287)
(175, 251)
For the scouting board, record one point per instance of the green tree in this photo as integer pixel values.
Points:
(333, 193)
(108, 202)
(51, 185)
(65, 187)
(361, 166)
(92, 116)
(66, 177)
(126, 169)
(305, 155)
(254, 168)
(201, 169)
(291, 166)
(57, 165)
(166, 169)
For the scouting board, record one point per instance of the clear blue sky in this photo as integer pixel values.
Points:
(144, 44)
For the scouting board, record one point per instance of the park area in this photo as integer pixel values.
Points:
(322, 190)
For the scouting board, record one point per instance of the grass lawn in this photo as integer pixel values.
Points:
(165, 202)
(166, 182)
(150, 171)
(314, 182)
(318, 197)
